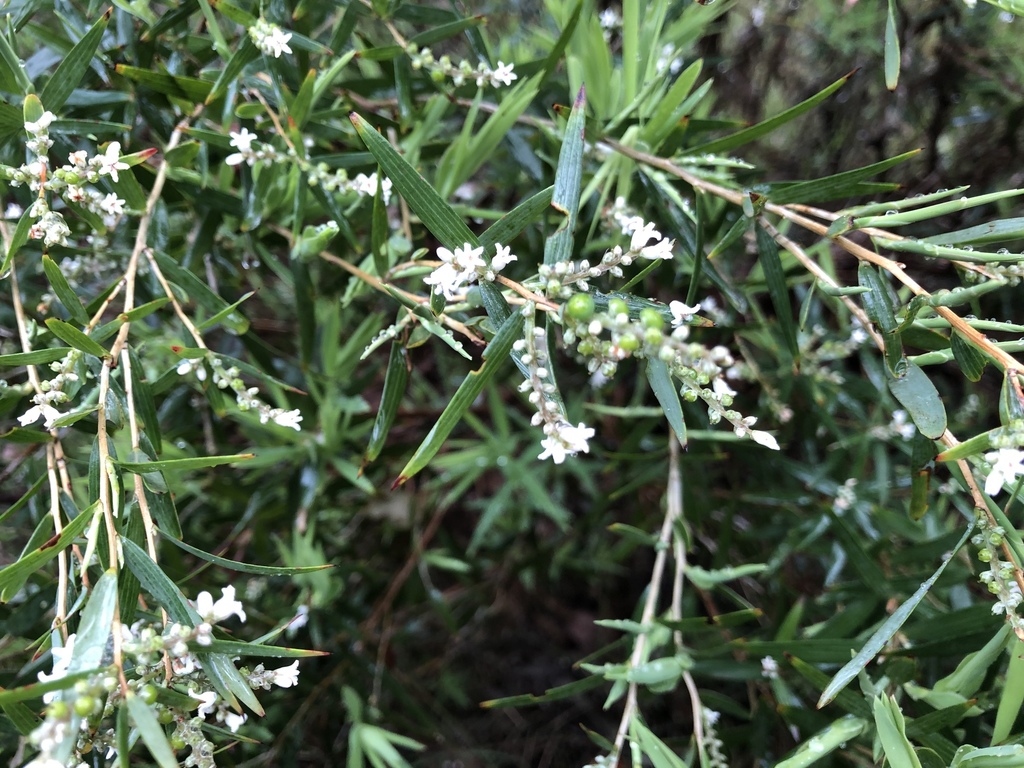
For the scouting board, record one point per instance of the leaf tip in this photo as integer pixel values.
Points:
(581, 97)
(399, 482)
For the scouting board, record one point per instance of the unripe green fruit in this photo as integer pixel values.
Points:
(580, 307)
(651, 318)
(57, 710)
(148, 693)
(617, 307)
(85, 706)
(177, 743)
(653, 336)
(165, 716)
(629, 343)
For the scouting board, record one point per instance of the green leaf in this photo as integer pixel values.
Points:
(35, 357)
(667, 394)
(193, 462)
(177, 86)
(775, 278)
(75, 338)
(845, 184)
(519, 218)
(22, 717)
(900, 219)
(1012, 698)
(157, 583)
(568, 177)
(200, 292)
(494, 356)
(233, 648)
(151, 731)
(437, 216)
(567, 691)
(36, 690)
(391, 398)
(235, 565)
(73, 66)
(29, 563)
(884, 633)
(915, 392)
(12, 71)
(226, 314)
(878, 305)
(244, 54)
(1000, 231)
(891, 730)
(94, 628)
(18, 239)
(971, 361)
(765, 127)
(63, 291)
(704, 579)
(824, 742)
(892, 49)
(653, 747)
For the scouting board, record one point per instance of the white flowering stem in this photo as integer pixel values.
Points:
(673, 511)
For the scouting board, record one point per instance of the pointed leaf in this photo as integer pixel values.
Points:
(151, 731)
(235, 565)
(568, 177)
(775, 278)
(668, 397)
(73, 67)
(75, 338)
(391, 398)
(915, 392)
(63, 291)
(892, 49)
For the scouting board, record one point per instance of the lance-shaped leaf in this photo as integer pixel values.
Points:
(878, 305)
(28, 564)
(918, 395)
(63, 291)
(568, 176)
(192, 462)
(394, 390)
(668, 397)
(151, 731)
(824, 742)
(74, 66)
(74, 337)
(765, 127)
(519, 218)
(891, 729)
(472, 386)
(884, 633)
(892, 49)
(235, 565)
(35, 357)
(775, 278)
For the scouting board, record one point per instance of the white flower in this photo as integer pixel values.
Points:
(1007, 466)
(682, 313)
(502, 257)
(61, 664)
(51, 229)
(764, 438)
(110, 161)
(286, 677)
(233, 721)
(41, 125)
(112, 205)
(226, 606)
(286, 418)
(567, 440)
(242, 140)
(208, 701)
(643, 235)
(769, 668)
(609, 19)
(459, 268)
(13, 211)
(184, 665)
(270, 38)
(503, 75)
(721, 387)
(48, 413)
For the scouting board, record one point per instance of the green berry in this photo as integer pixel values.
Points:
(57, 710)
(629, 343)
(85, 706)
(617, 307)
(580, 307)
(651, 318)
(177, 742)
(165, 716)
(148, 693)
(653, 336)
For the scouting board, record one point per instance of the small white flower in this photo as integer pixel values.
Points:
(232, 720)
(721, 387)
(286, 418)
(1007, 466)
(225, 607)
(502, 257)
(48, 413)
(61, 664)
(242, 140)
(681, 313)
(769, 668)
(609, 19)
(41, 125)
(184, 665)
(764, 438)
(110, 161)
(270, 38)
(567, 440)
(286, 677)
(642, 236)
(13, 211)
(208, 701)
(459, 268)
(112, 205)
(45, 762)
(503, 75)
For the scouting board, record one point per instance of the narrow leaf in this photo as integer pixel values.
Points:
(235, 565)
(918, 395)
(568, 177)
(892, 49)
(63, 291)
(151, 731)
(775, 278)
(668, 397)
(28, 564)
(74, 337)
(495, 354)
(884, 633)
(193, 462)
(73, 67)
(391, 398)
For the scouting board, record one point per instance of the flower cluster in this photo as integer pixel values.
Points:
(700, 369)
(270, 38)
(252, 151)
(561, 438)
(712, 744)
(559, 280)
(69, 181)
(52, 392)
(465, 266)
(92, 703)
(246, 397)
(1001, 577)
(439, 69)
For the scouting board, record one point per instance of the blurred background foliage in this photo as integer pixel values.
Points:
(482, 578)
